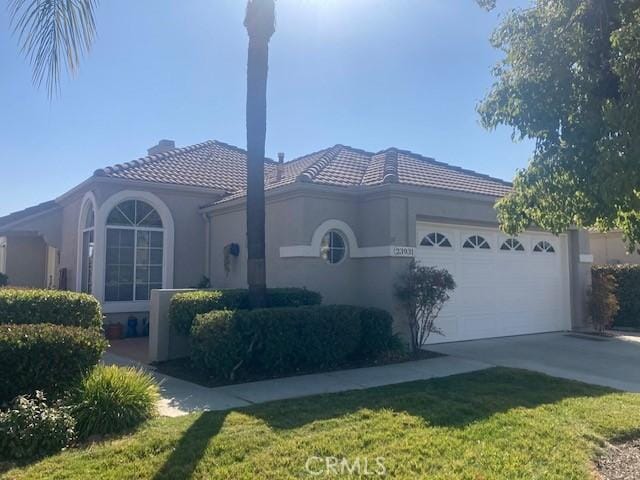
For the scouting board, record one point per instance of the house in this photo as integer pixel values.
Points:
(611, 249)
(342, 221)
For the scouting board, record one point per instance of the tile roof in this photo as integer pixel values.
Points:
(221, 166)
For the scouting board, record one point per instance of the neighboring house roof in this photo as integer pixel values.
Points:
(27, 212)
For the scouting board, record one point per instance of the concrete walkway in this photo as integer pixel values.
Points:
(610, 362)
(180, 397)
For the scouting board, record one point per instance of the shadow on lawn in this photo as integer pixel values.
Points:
(453, 402)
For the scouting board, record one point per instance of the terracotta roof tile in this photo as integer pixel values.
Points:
(221, 166)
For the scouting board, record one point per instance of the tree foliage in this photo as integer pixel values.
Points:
(422, 292)
(569, 80)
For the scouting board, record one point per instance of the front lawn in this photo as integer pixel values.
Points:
(494, 424)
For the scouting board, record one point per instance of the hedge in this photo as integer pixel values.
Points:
(50, 358)
(279, 341)
(19, 306)
(628, 293)
(185, 306)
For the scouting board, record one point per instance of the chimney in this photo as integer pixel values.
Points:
(280, 167)
(161, 147)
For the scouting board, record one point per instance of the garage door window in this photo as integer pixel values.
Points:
(544, 247)
(476, 242)
(435, 240)
(512, 245)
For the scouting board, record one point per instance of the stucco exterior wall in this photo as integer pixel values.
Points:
(26, 261)
(609, 248)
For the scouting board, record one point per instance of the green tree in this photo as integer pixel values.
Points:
(54, 34)
(569, 80)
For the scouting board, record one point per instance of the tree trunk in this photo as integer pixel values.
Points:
(260, 24)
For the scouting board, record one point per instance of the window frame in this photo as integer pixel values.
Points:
(435, 243)
(345, 242)
(476, 246)
(546, 247)
(517, 250)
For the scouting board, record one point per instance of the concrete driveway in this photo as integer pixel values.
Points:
(612, 362)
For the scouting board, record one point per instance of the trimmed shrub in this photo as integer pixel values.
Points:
(281, 341)
(185, 306)
(603, 304)
(114, 399)
(51, 358)
(49, 306)
(30, 429)
(627, 278)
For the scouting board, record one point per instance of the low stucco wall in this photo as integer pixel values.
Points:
(610, 249)
(164, 342)
(26, 260)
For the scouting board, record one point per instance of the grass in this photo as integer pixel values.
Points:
(494, 424)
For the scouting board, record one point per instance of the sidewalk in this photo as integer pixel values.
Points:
(180, 397)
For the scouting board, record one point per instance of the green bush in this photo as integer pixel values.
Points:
(185, 306)
(281, 341)
(114, 399)
(51, 358)
(30, 429)
(603, 304)
(49, 306)
(627, 278)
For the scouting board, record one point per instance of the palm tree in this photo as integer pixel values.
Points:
(260, 25)
(57, 32)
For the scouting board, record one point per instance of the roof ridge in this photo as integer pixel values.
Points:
(447, 165)
(152, 158)
(390, 169)
(311, 172)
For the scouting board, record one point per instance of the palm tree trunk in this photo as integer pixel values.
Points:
(260, 24)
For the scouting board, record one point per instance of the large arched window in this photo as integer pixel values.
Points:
(88, 247)
(134, 247)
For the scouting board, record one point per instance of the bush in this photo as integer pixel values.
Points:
(4, 280)
(185, 306)
(49, 306)
(422, 292)
(627, 278)
(113, 400)
(603, 304)
(51, 358)
(281, 341)
(30, 428)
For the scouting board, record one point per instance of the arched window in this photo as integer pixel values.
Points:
(512, 245)
(88, 248)
(476, 241)
(544, 247)
(333, 248)
(134, 252)
(435, 239)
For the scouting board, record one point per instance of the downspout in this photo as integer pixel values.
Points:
(207, 245)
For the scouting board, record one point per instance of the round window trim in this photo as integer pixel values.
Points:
(334, 247)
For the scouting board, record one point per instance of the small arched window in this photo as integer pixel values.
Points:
(544, 247)
(476, 241)
(435, 239)
(333, 248)
(512, 245)
(135, 246)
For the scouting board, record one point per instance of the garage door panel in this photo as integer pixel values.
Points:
(499, 292)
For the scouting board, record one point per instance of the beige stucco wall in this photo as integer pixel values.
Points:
(609, 248)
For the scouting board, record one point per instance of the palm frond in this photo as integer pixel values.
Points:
(53, 34)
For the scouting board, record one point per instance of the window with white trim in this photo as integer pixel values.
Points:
(435, 239)
(544, 247)
(476, 242)
(333, 248)
(88, 247)
(512, 245)
(135, 248)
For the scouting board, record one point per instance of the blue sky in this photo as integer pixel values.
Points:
(365, 73)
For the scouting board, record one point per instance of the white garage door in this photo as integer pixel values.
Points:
(505, 286)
